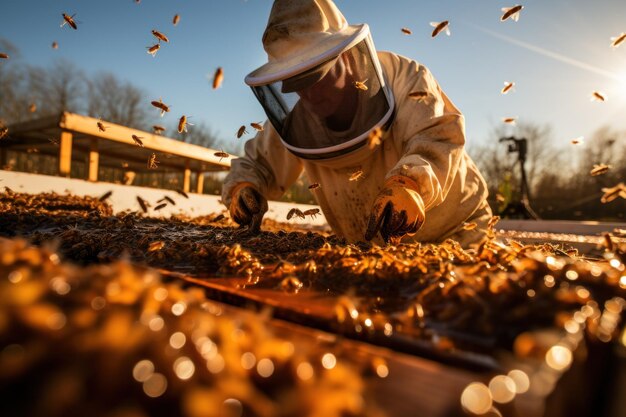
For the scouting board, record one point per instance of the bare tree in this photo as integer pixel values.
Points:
(116, 101)
(60, 88)
(12, 85)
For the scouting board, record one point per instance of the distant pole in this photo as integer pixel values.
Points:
(65, 154)
(520, 208)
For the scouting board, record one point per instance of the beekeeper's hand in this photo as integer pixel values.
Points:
(247, 206)
(397, 211)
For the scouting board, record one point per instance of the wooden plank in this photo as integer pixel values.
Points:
(123, 134)
(199, 182)
(93, 160)
(65, 154)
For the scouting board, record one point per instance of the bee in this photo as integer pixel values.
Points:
(168, 199)
(469, 226)
(493, 221)
(295, 212)
(4, 131)
(418, 95)
(175, 19)
(375, 137)
(182, 124)
(578, 141)
(158, 129)
(355, 176)
(218, 77)
(105, 196)
(508, 86)
(153, 162)
(440, 26)
(160, 36)
(512, 12)
(509, 120)
(152, 50)
(221, 154)
(500, 198)
(32, 108)
(4, 56)
(242, 131)
(160, 206)
(314, 186)
(52, 140)
(311, 212)
(161, 106)
(69, 20)
(181, 192)
(101, 126)
(612, 193)
(137, 140)
(406, 31)
(599, 169)
(143, 204)
(258, 126)
(55, 45)
(617, 40)
(155, 246)
(361, 85)
(598, 96)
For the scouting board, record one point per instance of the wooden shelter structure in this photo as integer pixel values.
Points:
(75, 138)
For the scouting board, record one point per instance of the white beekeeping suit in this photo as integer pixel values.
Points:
(325, 89)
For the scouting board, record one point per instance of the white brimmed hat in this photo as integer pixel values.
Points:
(300, 35)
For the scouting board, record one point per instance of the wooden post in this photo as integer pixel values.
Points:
(186, 177)
(65, 154)
(199, 182)
(93, 160)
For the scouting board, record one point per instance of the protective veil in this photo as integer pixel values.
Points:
(423, 139)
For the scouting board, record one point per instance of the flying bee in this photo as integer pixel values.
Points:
(500, 198)
(32, 108)
(375, 137)
(158, 129)
(295, 212)
(311, 212)
(69, 20)
(469, 226)
(257, 126)
(153, 162)
(152, 50)
(355, 176)
(578, 141)
(612, 193)
(101, 126)
(617, 40)
(182, 124)
(361, 85)
(137, 140)
(175, 19)
(509, 120)
(52, 140)
(55, 45)
(440, 26)
(508, 86)
(418, 95)
(512, 12)
(181, 192)
(599, 169)
(493, 221)
(155, 246)
(406, 31)
(161, 106)
(168, 199)
(221, 154)
(160, 206)
(143, 204)
(598, 96)
(218, 77)
(160, 36)
(4, 56)
(242, 131)
(314, 186)
(105, 196)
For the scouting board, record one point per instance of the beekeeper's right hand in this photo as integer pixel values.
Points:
(247, 206)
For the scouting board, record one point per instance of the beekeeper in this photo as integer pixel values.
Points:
(325, 89)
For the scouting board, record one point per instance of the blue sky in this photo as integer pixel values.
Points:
(557, 54)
